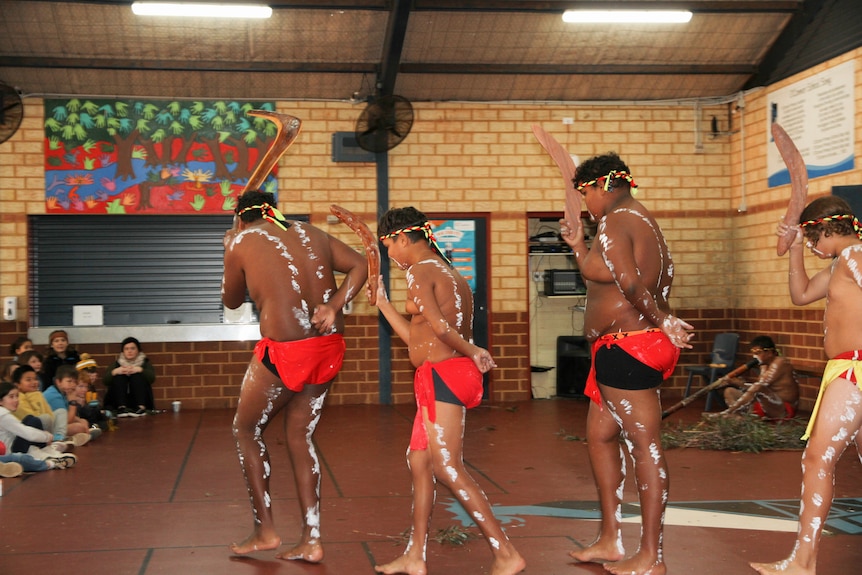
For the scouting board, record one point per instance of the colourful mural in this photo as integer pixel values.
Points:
(149, 156)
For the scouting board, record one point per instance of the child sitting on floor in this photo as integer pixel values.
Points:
(14, 464)
(81, 411)
(34, 359)
(65, 381)
(31, 401)
(26, 440)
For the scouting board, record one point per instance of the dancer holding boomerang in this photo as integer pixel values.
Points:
(636, 344)
(287, 268)
(447, 382)
(828, 228)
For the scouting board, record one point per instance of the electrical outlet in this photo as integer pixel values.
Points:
(538, 276)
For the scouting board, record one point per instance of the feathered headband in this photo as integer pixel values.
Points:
(267, 212)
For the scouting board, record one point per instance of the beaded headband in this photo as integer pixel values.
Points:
(832, 218)
(429, 235)
(267, 212)
(612, 175)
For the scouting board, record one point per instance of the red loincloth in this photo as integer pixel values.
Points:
(312, 361)
(463, 379)
(649, 346)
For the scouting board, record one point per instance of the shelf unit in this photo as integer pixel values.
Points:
(551, 316)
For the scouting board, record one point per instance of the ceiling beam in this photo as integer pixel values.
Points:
(370, 68)
(187, 66)
(584, 69)
(393, 46)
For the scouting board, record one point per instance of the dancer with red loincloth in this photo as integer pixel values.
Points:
(636, 344)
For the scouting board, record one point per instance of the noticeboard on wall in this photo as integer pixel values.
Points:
(457, 239)
(818, 114)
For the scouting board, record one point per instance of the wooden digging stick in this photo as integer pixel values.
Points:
(711, 387)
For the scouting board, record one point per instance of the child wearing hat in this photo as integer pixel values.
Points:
(60, 352)
(84, 400)
(88, 366)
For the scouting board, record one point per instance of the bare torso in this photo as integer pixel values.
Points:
(452, 295)
(287, 274)
(630, 242)
(780, 378)
(844, 304)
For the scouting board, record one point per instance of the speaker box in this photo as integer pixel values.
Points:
(573, 365)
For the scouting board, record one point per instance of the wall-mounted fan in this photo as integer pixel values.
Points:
(11, 111)
(384, 123)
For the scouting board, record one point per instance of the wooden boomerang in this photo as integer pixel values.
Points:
(288, 129)
(369, 242)
(798, 185)
(567, 168)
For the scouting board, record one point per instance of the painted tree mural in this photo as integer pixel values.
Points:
(112, 156)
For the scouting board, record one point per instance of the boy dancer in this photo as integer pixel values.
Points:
(287, 267)
(636, 344)
(831, 232)
(448, 380)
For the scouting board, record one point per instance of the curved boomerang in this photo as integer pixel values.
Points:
(369, 242)
(798, 185)
(288, 129)
(567, 168)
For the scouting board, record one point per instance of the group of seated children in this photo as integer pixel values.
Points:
(48, 407)
(39, 431)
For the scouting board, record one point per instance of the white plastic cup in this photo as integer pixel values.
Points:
(176, 405)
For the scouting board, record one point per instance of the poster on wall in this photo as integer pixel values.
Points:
(818, 115)
(151, 156)
(457, 239)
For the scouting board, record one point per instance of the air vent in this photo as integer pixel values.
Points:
(346, 149)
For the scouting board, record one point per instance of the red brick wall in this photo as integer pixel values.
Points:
(797, 333)
(209, 374)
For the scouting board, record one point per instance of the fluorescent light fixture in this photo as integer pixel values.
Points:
(201, 10)
(626, 16)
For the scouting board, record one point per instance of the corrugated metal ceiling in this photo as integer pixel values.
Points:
(472, 50)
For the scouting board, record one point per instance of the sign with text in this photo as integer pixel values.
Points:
(818, 115)
(457, 239)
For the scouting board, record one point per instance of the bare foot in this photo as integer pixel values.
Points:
(255, 542)
(308, 552)
(404, 564)
(510, 565)
(786, 567)
(637, 564)
(601, 551)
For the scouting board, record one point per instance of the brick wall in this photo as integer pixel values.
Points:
(483, 159)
